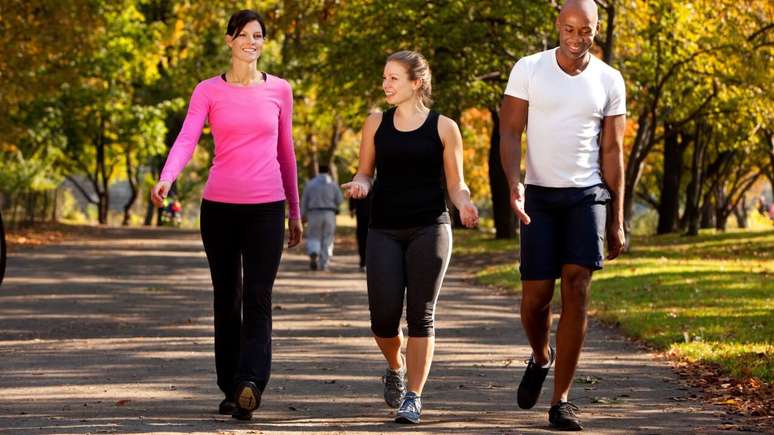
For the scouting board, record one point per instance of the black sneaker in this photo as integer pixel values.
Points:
(562, 416)
(313, 261)
(394, 385)
(226, 407)
(532, 382)
(248, 399)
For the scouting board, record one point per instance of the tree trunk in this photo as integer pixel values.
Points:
(2, 249)
(633, 171)
(740, 212)
(330, 153)
(132, 175)
(100, 180)
(149, 210)
(504, 218)
(669, 206)
(693, 193)
(608, 45)
(54, 217)
(721, 214)
(155, 167)
(707, 215)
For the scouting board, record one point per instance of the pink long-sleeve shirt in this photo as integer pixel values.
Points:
(254, 159)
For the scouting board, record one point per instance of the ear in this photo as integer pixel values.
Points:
(416, 84)
(229, 40)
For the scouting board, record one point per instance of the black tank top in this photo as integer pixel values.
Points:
(408, 191)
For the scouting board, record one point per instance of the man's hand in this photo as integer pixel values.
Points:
(517, 204)
(616, 237)
(294, 232)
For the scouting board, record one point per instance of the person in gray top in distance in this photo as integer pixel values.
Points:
(319, 205)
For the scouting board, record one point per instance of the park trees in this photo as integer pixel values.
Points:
(686, 86)
(95, 91)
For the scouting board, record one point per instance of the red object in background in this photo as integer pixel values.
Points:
(175, 207)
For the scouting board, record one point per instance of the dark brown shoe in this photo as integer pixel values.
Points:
(226, 407)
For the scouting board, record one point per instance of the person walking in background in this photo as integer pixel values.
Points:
(360, 209)
(319, 206)
(410, 147)
(253, 175)
(576, 107)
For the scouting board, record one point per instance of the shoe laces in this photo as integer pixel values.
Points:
(568, 408)
(393, 379)
(409, 404)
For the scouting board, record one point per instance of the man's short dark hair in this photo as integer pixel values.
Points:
(323, 169)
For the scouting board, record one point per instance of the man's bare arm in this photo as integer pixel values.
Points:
(613, 128)
(513, 121)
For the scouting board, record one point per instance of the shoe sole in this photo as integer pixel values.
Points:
(406, 420)
(247, 399)
(567, 429)
(226, 410)
(243, 416)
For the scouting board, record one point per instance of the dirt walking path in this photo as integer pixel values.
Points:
(113, 334)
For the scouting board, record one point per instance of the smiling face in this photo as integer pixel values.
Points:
(577, 26)
(397, 85)
(247, 44)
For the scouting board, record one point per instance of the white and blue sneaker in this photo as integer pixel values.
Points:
(410, 410)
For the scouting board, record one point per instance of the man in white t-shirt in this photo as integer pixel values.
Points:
(573, 107)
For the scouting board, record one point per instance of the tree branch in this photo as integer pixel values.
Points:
(81, 189)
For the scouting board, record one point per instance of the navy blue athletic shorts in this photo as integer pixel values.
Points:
(567, 227)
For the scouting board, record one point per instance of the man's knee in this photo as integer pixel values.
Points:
(575, 292)
(536, 296)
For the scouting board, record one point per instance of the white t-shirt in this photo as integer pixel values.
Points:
(565, 117)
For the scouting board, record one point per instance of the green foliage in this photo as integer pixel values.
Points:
(707, 298)
(116, 76)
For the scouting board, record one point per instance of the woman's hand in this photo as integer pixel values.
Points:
(356, 189)
(469, 214)
(295, 229)
(159, 192)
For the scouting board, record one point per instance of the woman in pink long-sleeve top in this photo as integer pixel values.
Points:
(253, 174)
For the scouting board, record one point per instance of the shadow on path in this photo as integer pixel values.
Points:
(112, 334)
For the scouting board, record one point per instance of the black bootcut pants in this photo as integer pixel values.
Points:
(243, 243)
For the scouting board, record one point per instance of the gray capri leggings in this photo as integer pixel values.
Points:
(411, 261)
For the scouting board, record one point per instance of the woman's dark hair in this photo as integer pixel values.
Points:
(239, 20)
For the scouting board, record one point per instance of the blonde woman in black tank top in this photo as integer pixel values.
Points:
(410, 149)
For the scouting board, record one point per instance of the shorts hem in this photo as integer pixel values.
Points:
(594, 266)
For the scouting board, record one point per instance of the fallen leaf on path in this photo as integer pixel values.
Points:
(587, 380)
(122, 402)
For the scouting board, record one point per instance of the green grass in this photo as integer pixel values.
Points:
(708, 298)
